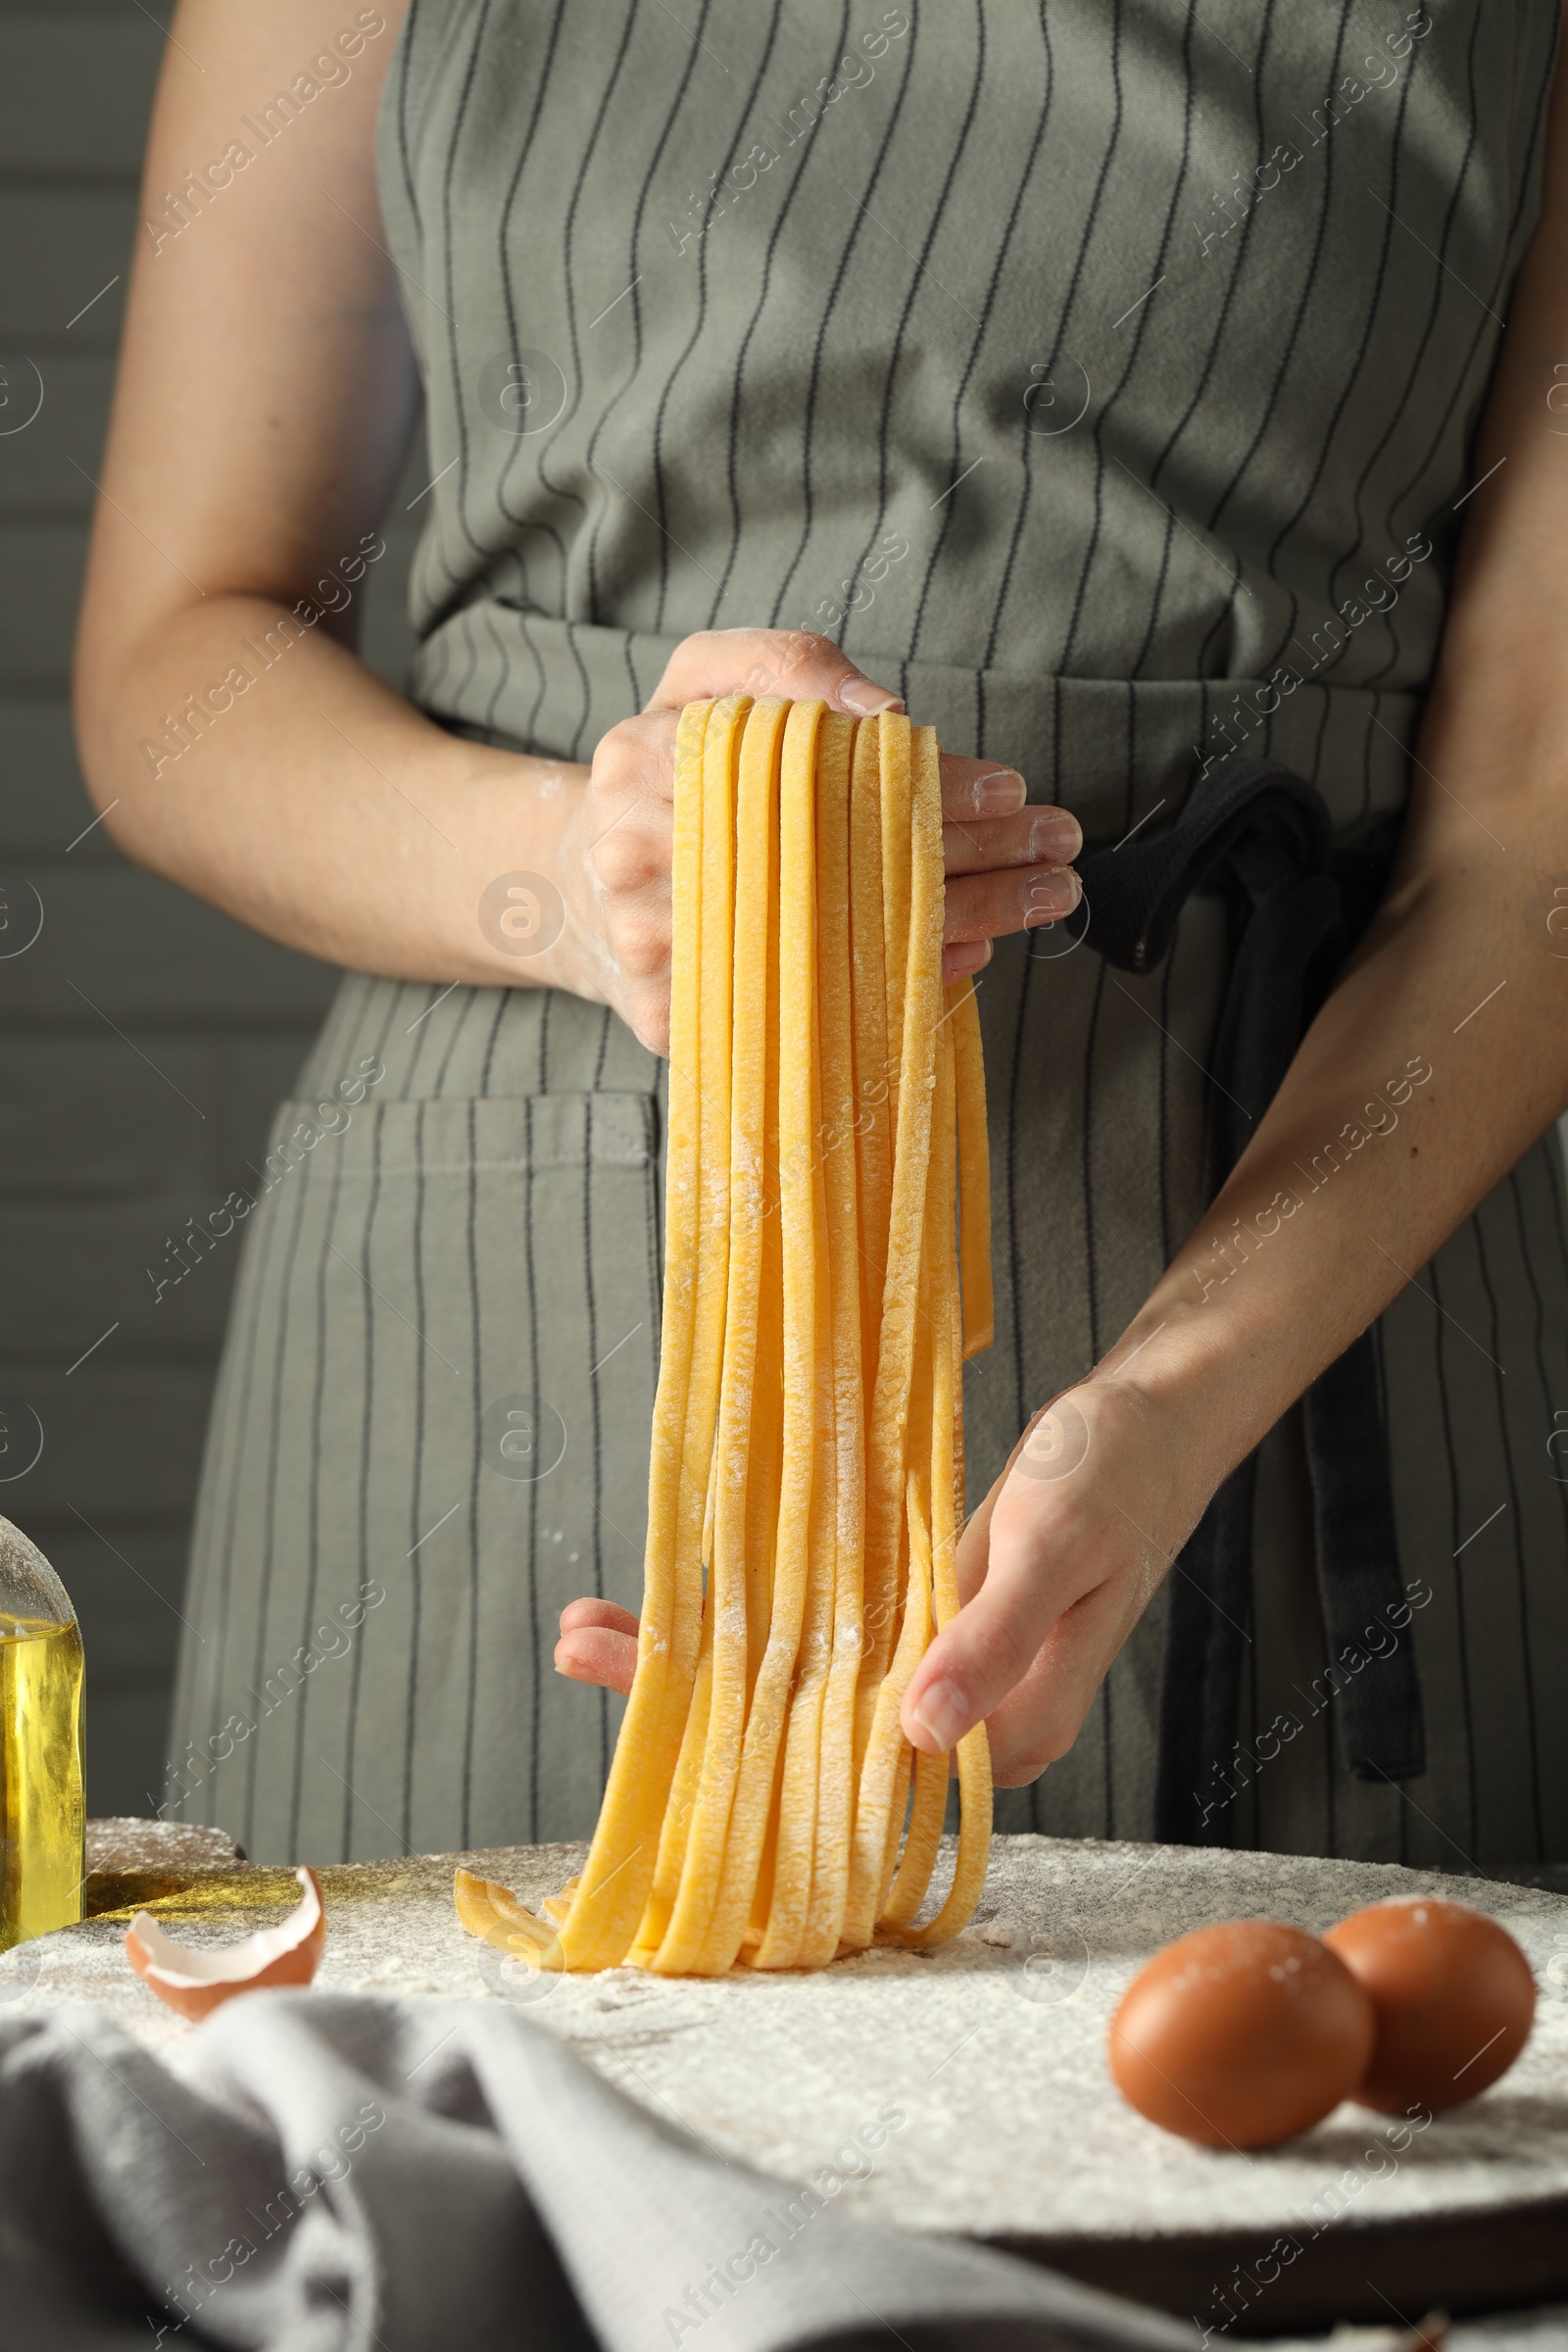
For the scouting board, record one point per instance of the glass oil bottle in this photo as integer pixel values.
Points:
(42, 1813)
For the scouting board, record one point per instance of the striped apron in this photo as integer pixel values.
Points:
(1102, 376)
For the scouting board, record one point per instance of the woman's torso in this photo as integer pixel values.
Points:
(991, 373)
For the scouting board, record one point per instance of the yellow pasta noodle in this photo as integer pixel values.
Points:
(874, 1125)
(828, 1273)
(974, 1752)
(737, 831)
(835, 1801)
(618, 1873)
(974, 1171)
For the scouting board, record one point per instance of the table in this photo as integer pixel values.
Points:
(966, 2089)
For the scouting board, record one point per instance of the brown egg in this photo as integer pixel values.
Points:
(1241, 2035)
(1452, 1994)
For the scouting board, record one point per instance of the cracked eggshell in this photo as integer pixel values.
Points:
(195, 1983)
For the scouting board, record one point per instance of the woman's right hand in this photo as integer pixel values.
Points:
(1005, 862)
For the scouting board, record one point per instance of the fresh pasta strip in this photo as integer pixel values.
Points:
(885, 1770)
(974, 1750)
(974, 1172)
(918, 1860)
(556, 1906)
(798, 1240)
(887, 1437)
(898, 853)
(884, 1774)
(496, 1917)
(800, 1794)
(618, 1873)
(873, 1093)
(846, 1397)
(737, 828)
(974, 1844)
(708, 1509)
(797, 1802)
(935, 1420)
(903, 1779)
(676, 1828)
(828, 1273)
(909, 1048)
(764, 1460)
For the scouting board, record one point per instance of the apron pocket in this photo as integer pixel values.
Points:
(458, 1308)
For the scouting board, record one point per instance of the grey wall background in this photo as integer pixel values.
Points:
(143, 1038)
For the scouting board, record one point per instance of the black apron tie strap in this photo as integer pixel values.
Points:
(1262, 836)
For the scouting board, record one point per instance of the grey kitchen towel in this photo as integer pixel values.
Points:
(325, 2172)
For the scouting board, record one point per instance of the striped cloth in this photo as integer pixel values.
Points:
(1102, 376)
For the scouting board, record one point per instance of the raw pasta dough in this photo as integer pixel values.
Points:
(827, 1271)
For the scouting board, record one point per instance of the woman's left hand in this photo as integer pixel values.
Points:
(1055, 1567)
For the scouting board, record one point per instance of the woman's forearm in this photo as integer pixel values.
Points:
(1436, 1063)
(256, 759)
(1433, 1065)
(1459, 971)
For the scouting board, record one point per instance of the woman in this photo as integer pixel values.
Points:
(1105, 384)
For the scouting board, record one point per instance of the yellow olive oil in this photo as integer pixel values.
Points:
(42, 1816)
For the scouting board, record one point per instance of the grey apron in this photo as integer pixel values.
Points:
(1103, 376)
